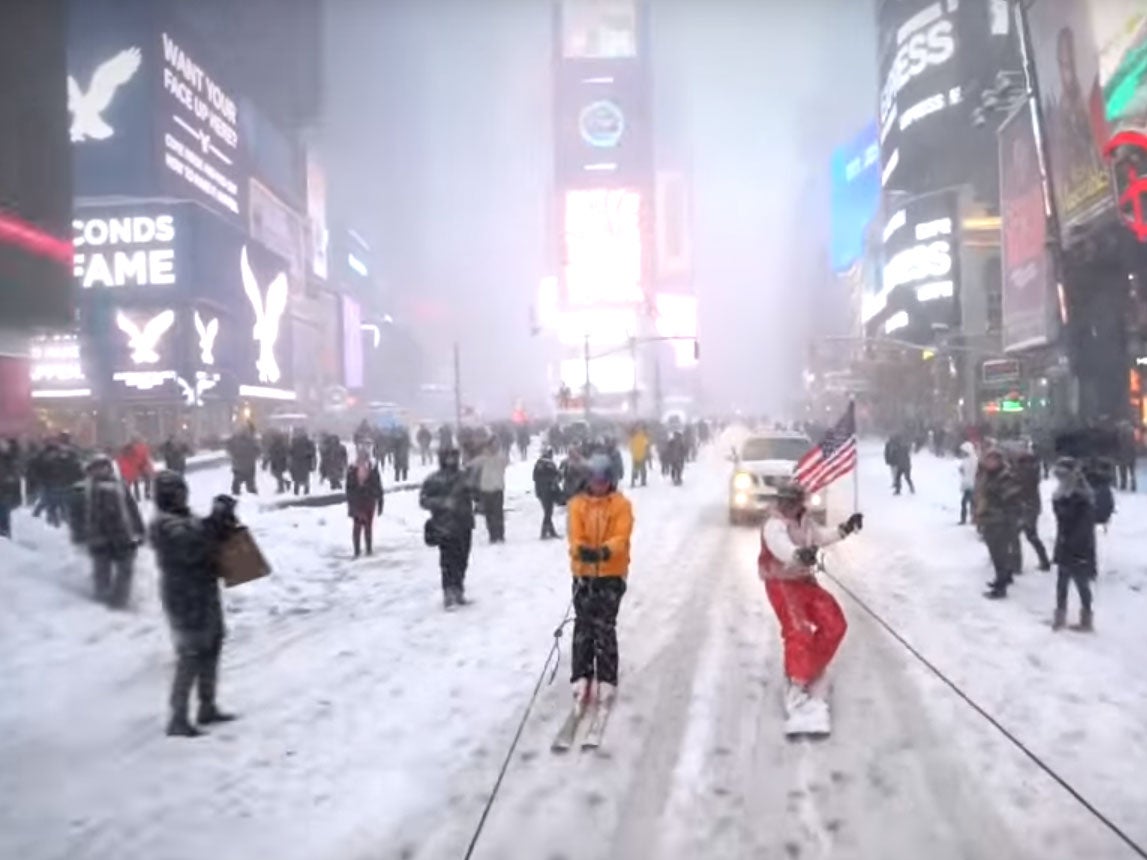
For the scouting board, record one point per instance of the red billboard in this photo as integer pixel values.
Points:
(1028, 274)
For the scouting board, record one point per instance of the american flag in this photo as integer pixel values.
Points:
(833, 457)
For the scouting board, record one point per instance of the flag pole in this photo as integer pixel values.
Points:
(856, 471)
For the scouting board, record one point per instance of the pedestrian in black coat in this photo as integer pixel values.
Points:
(1074, 506)
(424, 438)
(244, 451)
(279, 458)
(303, 456)
(1028, 475)
(364, 497)
(187, 554)
(105, 520)
(175, 453)
(998, 518)
(401, 445)
(449, 495)
(548, 489)
(11, 496)
(898, 456)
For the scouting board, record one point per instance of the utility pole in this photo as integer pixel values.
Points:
(634, 394)
(585, 396)
(457, 387)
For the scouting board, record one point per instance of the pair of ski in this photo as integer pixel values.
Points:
(598, 718)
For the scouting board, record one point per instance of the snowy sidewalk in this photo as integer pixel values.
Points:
(1077, 701)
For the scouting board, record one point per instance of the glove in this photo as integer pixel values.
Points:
(853, 524)
(806, 555)
(588, 554)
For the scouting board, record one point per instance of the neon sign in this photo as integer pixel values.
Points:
(603, 246)
(1133, 195)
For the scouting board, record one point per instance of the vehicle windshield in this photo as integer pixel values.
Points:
(774, 448)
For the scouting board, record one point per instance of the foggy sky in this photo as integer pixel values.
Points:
(438, 134)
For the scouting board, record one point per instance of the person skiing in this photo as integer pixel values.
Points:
(969, 465)
(105, 520)
(448, 495)
(187, 554)
(812, 623)
(1028, 475)
(548, 489)
(998, 518)
(364, 496)
(424, 438)
(1074, 505)
(600, 530)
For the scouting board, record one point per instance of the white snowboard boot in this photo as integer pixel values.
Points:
(804, 713)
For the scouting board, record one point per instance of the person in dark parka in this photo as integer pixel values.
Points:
(1028, 473)
(187, 554)
(303, 456)
(11, 496)
(998, 518)
(105, 520)
(175, 452)
(364, 497)
(449, 495)
(1074, 506)
(548, 489)
(244, 451)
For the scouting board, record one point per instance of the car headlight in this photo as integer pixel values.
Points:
(740, 500)
(742, 481)
(816, 500)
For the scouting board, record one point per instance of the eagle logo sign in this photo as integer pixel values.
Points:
(86, 107)
(143, 342)
(268, 315)
(207, 334)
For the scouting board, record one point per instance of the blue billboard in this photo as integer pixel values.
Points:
(855, 195)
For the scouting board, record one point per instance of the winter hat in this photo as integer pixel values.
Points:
(170, 492)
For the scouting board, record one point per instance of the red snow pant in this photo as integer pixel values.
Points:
(812, 626)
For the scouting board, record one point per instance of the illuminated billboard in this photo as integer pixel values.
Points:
(611, 374)
(599, 29)
(855, 196)
(603, 255)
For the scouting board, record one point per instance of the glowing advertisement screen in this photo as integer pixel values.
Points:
(599, 29)
(603, 247)
(855, 195)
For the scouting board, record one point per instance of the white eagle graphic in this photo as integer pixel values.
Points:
(207, 334)
(86, 107)
(143, 342)
(268, 315)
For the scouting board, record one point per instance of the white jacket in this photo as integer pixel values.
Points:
(969, 463)
(491, 472)
(780, 540)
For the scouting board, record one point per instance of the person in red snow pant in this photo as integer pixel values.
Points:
(812, 626)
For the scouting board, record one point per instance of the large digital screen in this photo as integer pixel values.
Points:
(599, 29)
(603, 247)
(855, 195)
(1120, 30)
(610, 374)
(35, 170)
(602, 132)
(126, 247)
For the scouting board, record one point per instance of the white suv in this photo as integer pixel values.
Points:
(762, 463)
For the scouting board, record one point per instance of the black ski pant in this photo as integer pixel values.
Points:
(196, 664)
(1028, 530)
(1003, 548)
(548, 530)
(401, 470)
(1127, 476)
(965, 505)
(596, 601)
(112, 573)
(640, 472)
(243, 479)
(900, 473)
(1081, 575)
(362, 530)
(454, 558)
(493, 509)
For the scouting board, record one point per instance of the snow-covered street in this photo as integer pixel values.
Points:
(374, 724)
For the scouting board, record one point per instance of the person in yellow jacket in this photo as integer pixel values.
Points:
(639, 451)
(600, 527)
